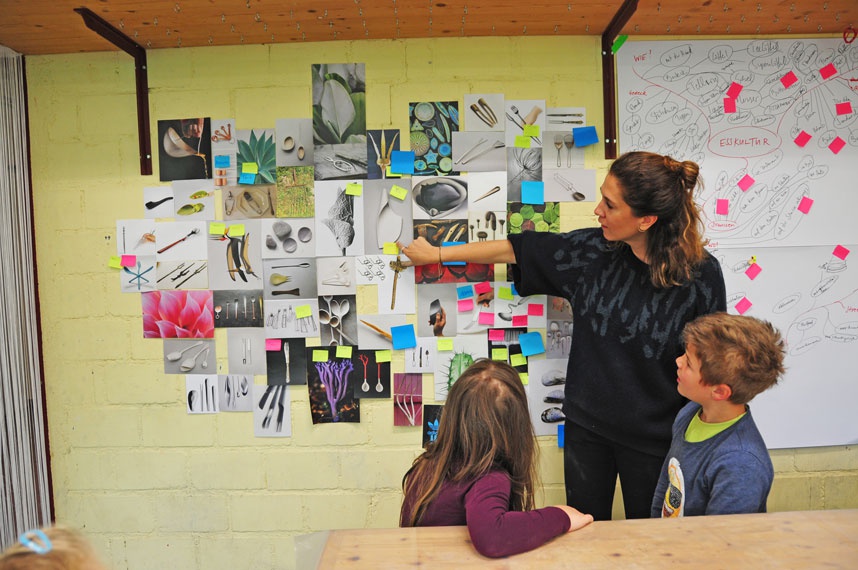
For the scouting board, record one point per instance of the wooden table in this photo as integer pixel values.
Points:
(790, 540)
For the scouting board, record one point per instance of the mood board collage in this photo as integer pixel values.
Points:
(286, 236)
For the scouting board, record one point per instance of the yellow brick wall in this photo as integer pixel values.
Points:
(156, 488)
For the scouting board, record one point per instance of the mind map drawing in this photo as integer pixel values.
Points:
(778, 169)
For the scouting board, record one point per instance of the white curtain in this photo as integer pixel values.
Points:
(25, 493)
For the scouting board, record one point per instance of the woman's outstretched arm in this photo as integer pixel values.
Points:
(421, 252)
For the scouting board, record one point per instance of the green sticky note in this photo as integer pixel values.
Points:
(500, 354)
(505, 293)
(354, 189)
(382, 356)
(344, 351)
(249, 168)
(445, 344)
(530, 130)
(114, 262)
(391, 174)
(522, 141)
(236, 230)
(217, 228)
(618, 43)
(398, 192)
(320, 356)
(518, 360)
(303, 311)
(390, 248)
(525, 377)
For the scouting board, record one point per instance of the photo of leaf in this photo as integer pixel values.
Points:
(339, 120)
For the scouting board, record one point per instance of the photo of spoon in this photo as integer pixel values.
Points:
(558, 144)
(151, 205)
(176, 355)
(190, 363)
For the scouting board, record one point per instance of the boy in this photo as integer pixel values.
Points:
(718, 462)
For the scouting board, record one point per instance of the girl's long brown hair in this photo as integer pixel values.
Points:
(656, 185)
(484, 425)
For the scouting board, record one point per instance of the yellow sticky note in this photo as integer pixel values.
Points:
(303, 311)
(390, 248)
(525, 377)
(114, 262)
(530, 130)
(344, 351)
(445, 344)
(217, 228)
(522, 141)
(391, 174)
(382, 356)
(398, 192)
(505, 293)
(354, 189)
(236, 230)
(518, 360)
(320, 356)
(500, 354)
(249, 168)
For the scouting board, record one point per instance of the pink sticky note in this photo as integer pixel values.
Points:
(734, 90)
(743, 306)
(535, 309)
(519, 320)
(828, 71)
(272, 344)
(128, 260)
(837, 145)
(844, 108)
(487, 319)
(483, 287)
(722, 206)
(746, 182)
(840, 252)
(496, 335)
(752, 271)
(805, 204)
(729, 105)
(789, 79)
(802, 139)
(466, 305)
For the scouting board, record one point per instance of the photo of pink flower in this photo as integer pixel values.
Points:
(177, 314)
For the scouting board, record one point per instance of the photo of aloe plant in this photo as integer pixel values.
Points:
(257, 146)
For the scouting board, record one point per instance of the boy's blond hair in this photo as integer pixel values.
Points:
(745, 353)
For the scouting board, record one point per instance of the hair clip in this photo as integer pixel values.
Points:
(36, 540)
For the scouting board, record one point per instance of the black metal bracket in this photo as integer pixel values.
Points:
(609, 79)
(103, 28)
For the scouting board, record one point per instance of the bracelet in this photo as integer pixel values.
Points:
(440, 262)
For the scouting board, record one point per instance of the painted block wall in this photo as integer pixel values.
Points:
(155, 488)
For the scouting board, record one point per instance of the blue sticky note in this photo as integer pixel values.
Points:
(512, 286)
(561, 435)
(585, 136)
(465, 291)
(531, 343)
(247, 178)
(221, 161)
(403, 337)
(402, 162)
(533, 192)
(448, 243)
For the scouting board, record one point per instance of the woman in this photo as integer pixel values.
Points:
(633, 283)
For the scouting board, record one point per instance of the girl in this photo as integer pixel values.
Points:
(633, 283)
(53, 548)
(481, 469)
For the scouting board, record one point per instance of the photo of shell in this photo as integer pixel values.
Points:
(440, 197)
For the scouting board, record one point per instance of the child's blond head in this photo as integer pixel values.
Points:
(745, 353)
(65, 549)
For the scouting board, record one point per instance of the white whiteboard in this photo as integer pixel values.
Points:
(801, 201)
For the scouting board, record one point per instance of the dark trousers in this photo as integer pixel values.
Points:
(591, 466)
